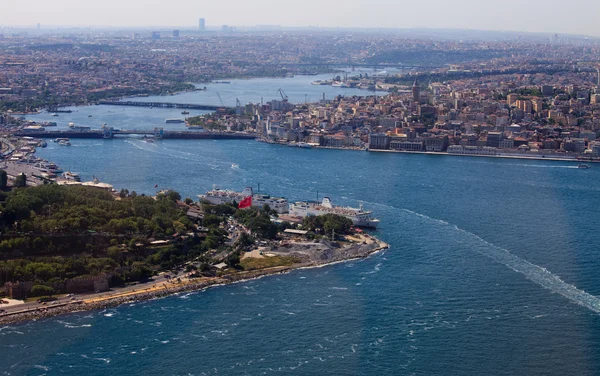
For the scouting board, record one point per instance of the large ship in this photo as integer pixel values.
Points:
(359, 217)
(223, 196)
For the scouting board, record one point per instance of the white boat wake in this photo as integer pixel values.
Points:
(533, 272)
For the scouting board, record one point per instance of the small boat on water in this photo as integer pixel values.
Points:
(171, 121)
(584, 166)
(72, 176)
(64, 142)
(185, 112)
(54, 114)
(149, 140)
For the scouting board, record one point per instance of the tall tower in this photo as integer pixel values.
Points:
(416, 91)
(202, 24)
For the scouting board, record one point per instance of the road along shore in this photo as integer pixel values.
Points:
(159, 290)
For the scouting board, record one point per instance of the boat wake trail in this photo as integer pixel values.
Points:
(533, 272)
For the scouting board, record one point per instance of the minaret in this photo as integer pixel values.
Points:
(416, 91)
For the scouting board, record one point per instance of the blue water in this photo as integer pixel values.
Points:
(297, 88)
(493, 269)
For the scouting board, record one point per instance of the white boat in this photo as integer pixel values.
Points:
(71, 176)
(359, 217)
(64, 142)
(71, 124)
(224, 196)
(584, 166)
(54, 114)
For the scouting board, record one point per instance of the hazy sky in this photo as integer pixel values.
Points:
(574, 16)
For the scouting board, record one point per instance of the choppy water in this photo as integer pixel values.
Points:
(492, 270)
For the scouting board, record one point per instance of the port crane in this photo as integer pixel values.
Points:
(284, 96)
(221, 100)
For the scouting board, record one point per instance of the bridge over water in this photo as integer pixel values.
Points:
(188, 106)
(157, 133)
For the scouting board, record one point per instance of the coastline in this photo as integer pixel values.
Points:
(539, 157)
(524, 157)
(161, 290)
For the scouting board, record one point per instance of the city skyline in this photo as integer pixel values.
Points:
(533, 16)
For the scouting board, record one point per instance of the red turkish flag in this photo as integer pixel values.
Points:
(245, 203)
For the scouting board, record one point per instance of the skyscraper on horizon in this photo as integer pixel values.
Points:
(202, 24)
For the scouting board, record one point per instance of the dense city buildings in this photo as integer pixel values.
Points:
(485, 98)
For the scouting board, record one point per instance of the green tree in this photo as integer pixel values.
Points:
(41, 290)
(3, 179)
(21, 181)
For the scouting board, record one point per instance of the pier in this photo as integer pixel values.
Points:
(157, 133)
(188, 106)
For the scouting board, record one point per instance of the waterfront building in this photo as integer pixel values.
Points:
(400, 144)
(493, 139)
(436, 143)
(472, 150)
(507, 143)
(379, 141)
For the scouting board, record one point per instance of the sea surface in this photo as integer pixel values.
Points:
(297, 88)
(492, 269)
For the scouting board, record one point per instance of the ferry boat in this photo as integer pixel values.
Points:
(171, 121)
(220, 196)
(359, 217)
(48, 167)
(71, 176)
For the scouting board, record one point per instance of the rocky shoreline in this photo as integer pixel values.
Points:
(358, 252)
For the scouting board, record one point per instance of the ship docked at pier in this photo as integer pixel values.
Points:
(222, 196)
(358, 216)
